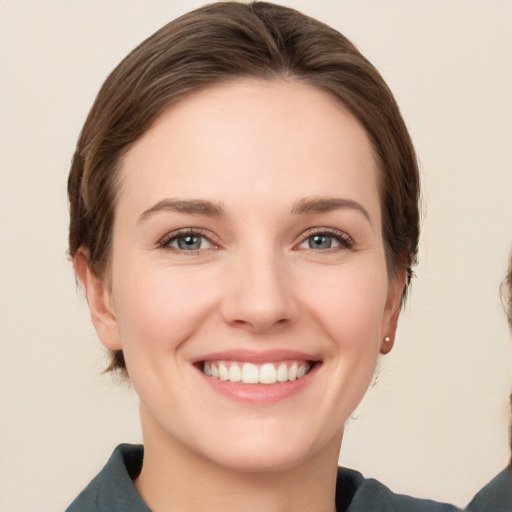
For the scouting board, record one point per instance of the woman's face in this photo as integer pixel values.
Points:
(247, 245)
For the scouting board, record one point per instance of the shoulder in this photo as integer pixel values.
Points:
(369, 495)
(495, 496)
(112, 489)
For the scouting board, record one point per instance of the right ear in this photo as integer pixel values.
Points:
(100, 301)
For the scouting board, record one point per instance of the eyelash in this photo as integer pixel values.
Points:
(345, 241)
(165, 242)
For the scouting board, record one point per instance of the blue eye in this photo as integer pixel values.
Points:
(326, 240)
(188, 241)
(321, 242)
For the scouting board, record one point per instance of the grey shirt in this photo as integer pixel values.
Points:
(496, 496)
(112, 490)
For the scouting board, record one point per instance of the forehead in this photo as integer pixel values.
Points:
(248, 139)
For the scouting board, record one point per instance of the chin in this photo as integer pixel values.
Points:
(258, 459)
(261, 450)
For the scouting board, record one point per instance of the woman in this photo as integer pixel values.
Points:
(244, 218)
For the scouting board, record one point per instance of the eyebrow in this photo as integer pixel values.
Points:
(191, 206)
(327, 204)
(216, 209)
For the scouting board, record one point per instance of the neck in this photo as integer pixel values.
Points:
(176, 478)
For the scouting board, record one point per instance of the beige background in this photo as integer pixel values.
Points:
(436, 423)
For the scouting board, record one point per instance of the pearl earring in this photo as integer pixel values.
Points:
(387, 339)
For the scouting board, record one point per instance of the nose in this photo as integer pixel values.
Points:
(260, 293)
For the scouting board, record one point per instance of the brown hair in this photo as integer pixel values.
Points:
(221, 42)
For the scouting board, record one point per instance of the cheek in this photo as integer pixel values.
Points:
(350, 303)
(158, 309)
(353, 315)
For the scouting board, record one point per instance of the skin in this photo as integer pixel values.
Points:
(258, 150)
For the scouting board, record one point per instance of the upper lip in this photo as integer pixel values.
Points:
(257, 357)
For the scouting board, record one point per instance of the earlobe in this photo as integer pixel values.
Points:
(99, 299)
(393, 304)
(386, 344)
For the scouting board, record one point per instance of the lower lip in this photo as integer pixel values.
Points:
(260, 393)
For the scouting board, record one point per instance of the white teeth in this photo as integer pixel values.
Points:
(282, 373)
(249, 373)
(301, 371)
(268, 374)
(292, 371)
(223, 371)
(235, 374)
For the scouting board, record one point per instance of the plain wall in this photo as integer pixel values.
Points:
(436, 423)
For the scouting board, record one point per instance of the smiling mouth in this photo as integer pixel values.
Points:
(250, 373)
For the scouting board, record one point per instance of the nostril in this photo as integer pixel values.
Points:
(260, 324)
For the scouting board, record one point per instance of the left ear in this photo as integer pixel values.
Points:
(392, 310)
